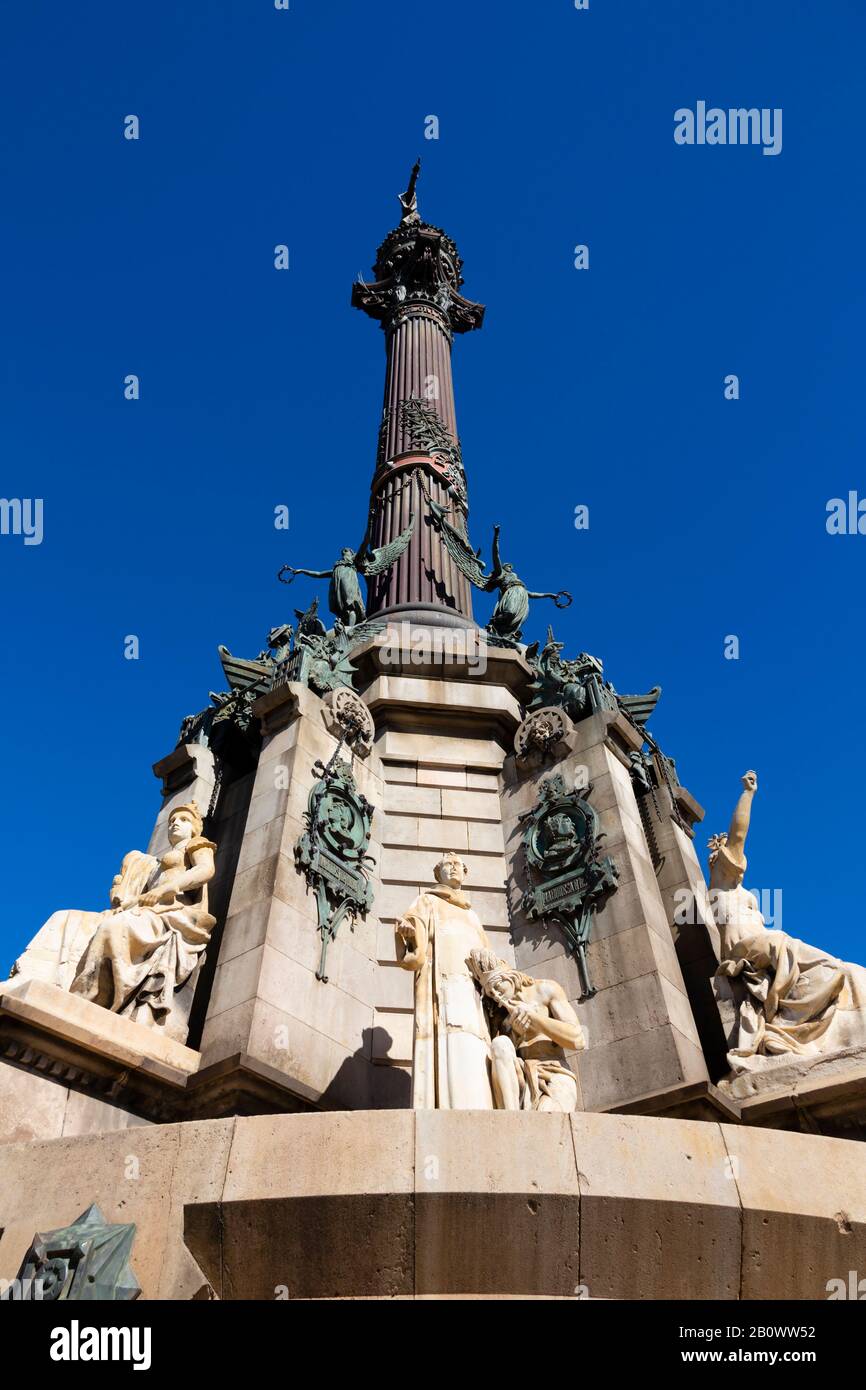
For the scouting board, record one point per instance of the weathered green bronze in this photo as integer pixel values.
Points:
(320, 659)
(248, 679)
(652, 769)
(512, 606)
(86, 1261)
(562, 842)
(311, 655)
(578, 685)
(575, 686)
(332, 852)
(344, 592)
(427, 432)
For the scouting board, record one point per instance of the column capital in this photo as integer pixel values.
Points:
(418, 268)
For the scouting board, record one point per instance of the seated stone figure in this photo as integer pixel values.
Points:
(535, 1026)
(793, 998)
(134, 957)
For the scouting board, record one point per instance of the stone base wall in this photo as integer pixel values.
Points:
(394, 1204)
(38, 1105)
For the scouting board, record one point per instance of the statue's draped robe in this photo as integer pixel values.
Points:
(797, 998)
(139, 957)
(58, 948)
(451, 1054)
(512, 607)
(546, 1080)
(344, 595)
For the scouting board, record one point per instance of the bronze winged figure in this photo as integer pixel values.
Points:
(512, 606)
(344, 593)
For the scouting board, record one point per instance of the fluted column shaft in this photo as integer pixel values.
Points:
(418, 367)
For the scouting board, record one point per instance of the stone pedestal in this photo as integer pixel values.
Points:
(640, 1032)
(68, 1066)
(270, 1022)
(438, 766)
(441, 776)
(433, 777)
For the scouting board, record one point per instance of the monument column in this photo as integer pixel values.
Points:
(416, 297)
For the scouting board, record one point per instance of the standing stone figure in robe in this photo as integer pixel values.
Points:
(536, 1026)
(796, 998)
(451, 1054)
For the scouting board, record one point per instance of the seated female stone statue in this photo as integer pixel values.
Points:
(146, 947)
(134, 957)
(793, 998)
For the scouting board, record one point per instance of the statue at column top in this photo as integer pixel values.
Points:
(795, 998)
(409, 199)
(417, 263)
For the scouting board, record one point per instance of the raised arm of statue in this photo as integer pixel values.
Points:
(497, 561)
(494, 579)
(736, 841)
(727, 852)
(410, 195)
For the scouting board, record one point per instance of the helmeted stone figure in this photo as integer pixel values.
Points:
(451, 1054)
(797, 998)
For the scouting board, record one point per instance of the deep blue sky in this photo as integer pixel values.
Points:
(606, 388)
